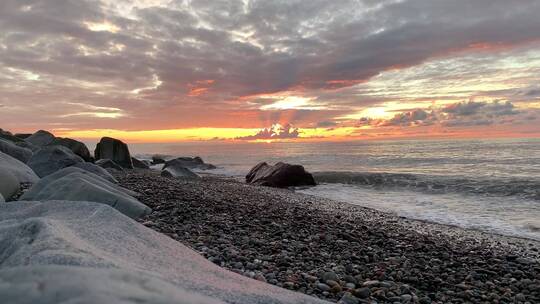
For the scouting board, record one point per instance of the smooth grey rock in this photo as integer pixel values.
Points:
(41, 138)
(23, 173)
(139, 164)
(190, 163)
(75, 146)
(80, 186)
(280, 175)
(20, 153)
(9, 184)
(97, 170)
(89, 176)
(177, 171)
(82, 252)
(115, 150)
(51, 159)
(109, 164)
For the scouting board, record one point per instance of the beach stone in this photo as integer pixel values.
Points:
(362, 293)
(9, 184)
(109, 164)
(158, 159)
(78, 186)
(190, 163)
(280, 175)
(348, 298)
(41, 138)
(329, 276)
(50, 159)
(20, 153)
(323, 287)
(75, 146)
(139, 164)
(115, 150)
(97, 170)
(175, 170)
(21, 171)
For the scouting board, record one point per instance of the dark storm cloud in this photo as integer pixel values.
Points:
(166, 66)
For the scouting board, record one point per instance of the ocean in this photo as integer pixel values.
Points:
(487, 185)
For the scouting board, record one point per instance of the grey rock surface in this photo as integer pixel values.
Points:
(40, 138)
(190, 163)
(81, 252)
(97, 170)
(50, 159)
(109, 164)
(10, 148)
(23, 173)
(75, 146)
(9, 184)
(85, 186)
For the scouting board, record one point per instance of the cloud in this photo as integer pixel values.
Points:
(275, 132)
(176, 64)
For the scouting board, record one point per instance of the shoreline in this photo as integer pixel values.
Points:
(332, 249)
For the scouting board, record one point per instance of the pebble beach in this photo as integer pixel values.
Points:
(333, 250)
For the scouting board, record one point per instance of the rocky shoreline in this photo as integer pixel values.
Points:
(336, 251)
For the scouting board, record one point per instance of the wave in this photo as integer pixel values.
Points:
(527, 189)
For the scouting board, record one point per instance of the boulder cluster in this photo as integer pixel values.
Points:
(68, 235)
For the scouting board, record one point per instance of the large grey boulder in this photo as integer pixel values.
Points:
(115, 150)
(20, 153)
(75, 146)
(109, 164)
(97, 170)
(79, 186)
(50, 159)
(280, 175)
(89, 176)
(177, 171)
(9, 184)
(190, 163)
(23, 173)
(81, 252)
(40, 138)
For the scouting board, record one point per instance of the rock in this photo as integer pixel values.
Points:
(23, 173)
(9, 184)
(109, 164)
(280, 175)
(1, 198)
(20, 153)
(115, 150)
(41, 138)
(23, 135)
(50, 159)
(78, 187)
(139, 164)
(176, 171)
(8, 136)
(190, 163)
(372, 283)
(329, 276)
(97, 170)
(348, 299)
(158, 159)
(362, 293)
(35, 189)
(75, 146)
(83, 252)
(323, 287)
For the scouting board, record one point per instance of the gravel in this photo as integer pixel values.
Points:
(336, 251)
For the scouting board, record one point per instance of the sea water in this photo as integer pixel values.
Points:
(489, 185)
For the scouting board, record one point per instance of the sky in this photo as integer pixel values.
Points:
(250, 70)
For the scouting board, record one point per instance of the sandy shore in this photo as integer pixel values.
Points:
(335, 250)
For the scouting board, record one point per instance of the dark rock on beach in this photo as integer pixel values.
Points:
(280, 175)
(336, 251)
(115, 150)
(190, 163)
(176, 171)
(41, 138)
(75, 146)
(139, 164)
(109, 164)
